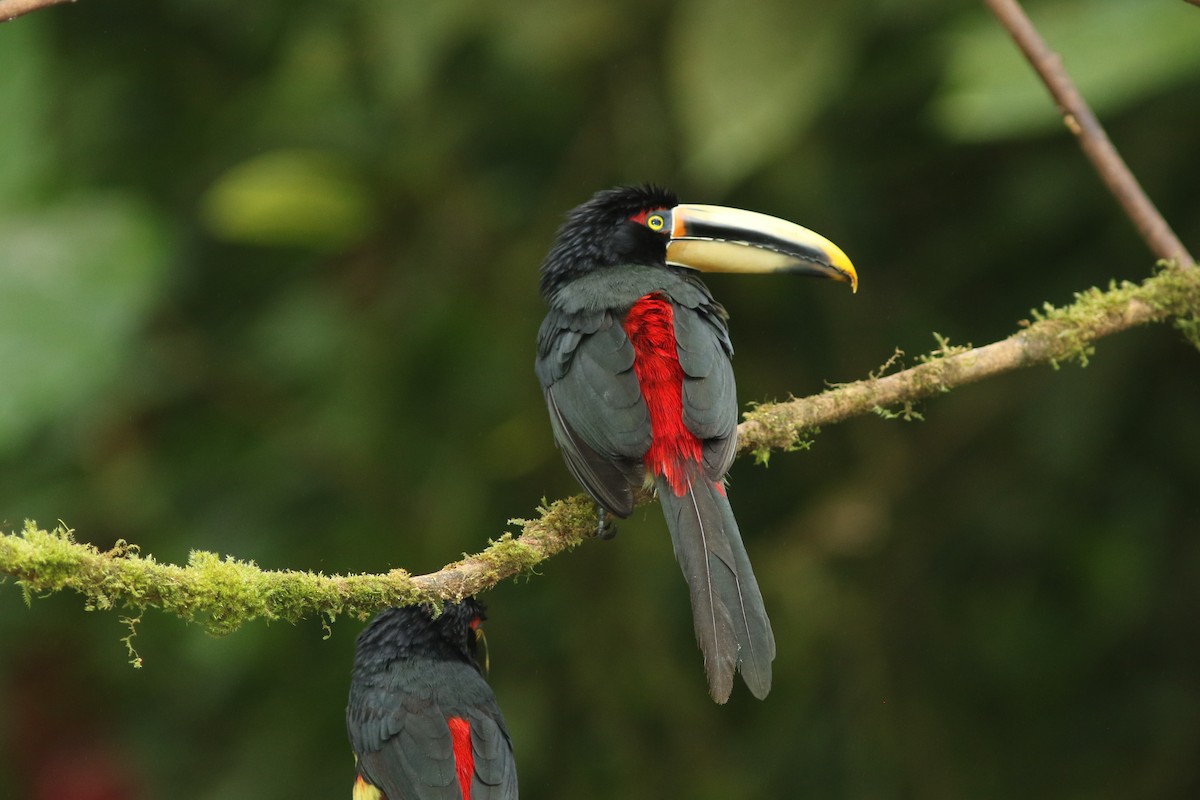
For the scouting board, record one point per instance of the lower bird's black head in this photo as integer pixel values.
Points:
(414, 632)
(609, 230)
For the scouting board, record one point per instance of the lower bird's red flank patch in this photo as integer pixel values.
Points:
(650, 326)
(464, 756)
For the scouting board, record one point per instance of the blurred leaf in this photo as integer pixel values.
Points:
(749, 78)
(300, 336)
(1117, 53)
(551, 35)
(78, 280)
(289, 197)
(407, 43)
(311, 95)
(23, 95)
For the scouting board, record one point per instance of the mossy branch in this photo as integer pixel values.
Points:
(1054, 336)
(223, 594)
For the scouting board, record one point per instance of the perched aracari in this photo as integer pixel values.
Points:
(634, 360)
(423, 722)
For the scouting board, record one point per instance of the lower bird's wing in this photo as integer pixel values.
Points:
(495, 771)
(403, 728)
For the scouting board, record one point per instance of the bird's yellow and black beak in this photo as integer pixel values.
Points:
(719, 239)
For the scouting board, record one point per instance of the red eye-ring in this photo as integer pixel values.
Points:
(651, 218)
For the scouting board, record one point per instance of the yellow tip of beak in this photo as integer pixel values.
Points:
(841, 262)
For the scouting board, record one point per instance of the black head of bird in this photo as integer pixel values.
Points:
(416, 632)
(634, 360)
(648, 226)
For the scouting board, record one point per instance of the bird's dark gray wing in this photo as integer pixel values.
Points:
(495, 770)
(709, 393)
(408, 753)
(599, 420)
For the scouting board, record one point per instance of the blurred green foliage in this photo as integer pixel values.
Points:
(268, 287)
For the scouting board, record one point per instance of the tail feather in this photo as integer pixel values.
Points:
(727, 608)
(758, 646)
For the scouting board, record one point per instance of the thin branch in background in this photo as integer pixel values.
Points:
(1095, 142)
(11, 9)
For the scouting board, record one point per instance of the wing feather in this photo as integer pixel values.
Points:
(597, 414)
(709, 390)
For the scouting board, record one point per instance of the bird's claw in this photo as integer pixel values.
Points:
(605, 529)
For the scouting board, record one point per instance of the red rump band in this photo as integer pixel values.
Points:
(650, 326)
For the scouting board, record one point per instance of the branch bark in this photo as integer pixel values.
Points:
(224, 594)
(1096, 145)
(11, 9)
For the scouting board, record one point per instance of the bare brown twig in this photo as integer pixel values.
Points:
(1096, 145)
(11, 9)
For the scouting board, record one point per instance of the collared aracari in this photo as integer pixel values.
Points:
(634, 360)
(423, 722)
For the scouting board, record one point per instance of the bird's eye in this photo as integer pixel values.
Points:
(655, 222)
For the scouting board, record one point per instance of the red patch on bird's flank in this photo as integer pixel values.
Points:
(650, 326)
(464, 756)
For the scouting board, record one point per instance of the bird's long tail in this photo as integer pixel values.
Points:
(727, 607)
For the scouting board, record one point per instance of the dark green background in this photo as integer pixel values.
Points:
(268, 288)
